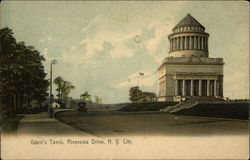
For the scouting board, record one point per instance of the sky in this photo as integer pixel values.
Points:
(101, 46)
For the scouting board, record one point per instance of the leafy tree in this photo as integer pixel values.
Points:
(148, 97)
(63, 88)
(22, 74)
(85, 96)
(136, 95)
(73, 103)
(98, 100)
(67, 87)
(59, 82)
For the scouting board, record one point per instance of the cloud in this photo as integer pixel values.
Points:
(90, 24)
(161, 30)
(89, 46)
(45, 40)
(159, 58)
(41, 40)
(110, 50)
(144, 39)
(46, 55)
(147, 80)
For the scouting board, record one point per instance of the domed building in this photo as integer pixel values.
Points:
(188, 71)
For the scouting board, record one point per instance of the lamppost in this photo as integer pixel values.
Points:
(50, 88)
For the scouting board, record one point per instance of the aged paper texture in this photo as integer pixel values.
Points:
(124, 80)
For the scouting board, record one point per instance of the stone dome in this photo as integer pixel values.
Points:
(189, 21)
(188, 39)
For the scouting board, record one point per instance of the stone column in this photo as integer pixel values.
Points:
(215, 87)
(173, 41)
(183, 88)
(177, 44)
(184, 42)
(205, 43)
(172, 44)
(192, 88)
(200, 87)
(195, 43)
(176, 87)
(208, 87)
(199, 42)
(191, 43)
(202, 44)
(181, 43)
(205, 46)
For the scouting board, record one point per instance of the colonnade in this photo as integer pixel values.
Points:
(196, 87)
(189, 42)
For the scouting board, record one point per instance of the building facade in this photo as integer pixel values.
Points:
(188, 71)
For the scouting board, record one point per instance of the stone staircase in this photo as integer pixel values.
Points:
(189, 103)
(179, 106)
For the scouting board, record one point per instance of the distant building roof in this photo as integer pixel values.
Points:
(188, 21)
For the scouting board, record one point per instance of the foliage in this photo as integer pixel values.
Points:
(59, 82)
(85, 96)
(148, 97)
(21, 71)
(136, 95)
(63, 88)
(73, 103)
(98, 100)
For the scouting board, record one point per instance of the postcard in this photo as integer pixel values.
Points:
(124, 80)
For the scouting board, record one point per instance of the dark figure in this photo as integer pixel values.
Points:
(82, 107)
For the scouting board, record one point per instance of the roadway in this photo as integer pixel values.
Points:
(183, 137)
(115, 123)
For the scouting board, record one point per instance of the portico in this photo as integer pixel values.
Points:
(193, 87)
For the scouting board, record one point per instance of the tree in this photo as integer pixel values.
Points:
(63, 88)
(98, 100)
(59, 82)
(148, 97)
(67, 87)
(85, 96)
(22, 74)
(136, 95)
